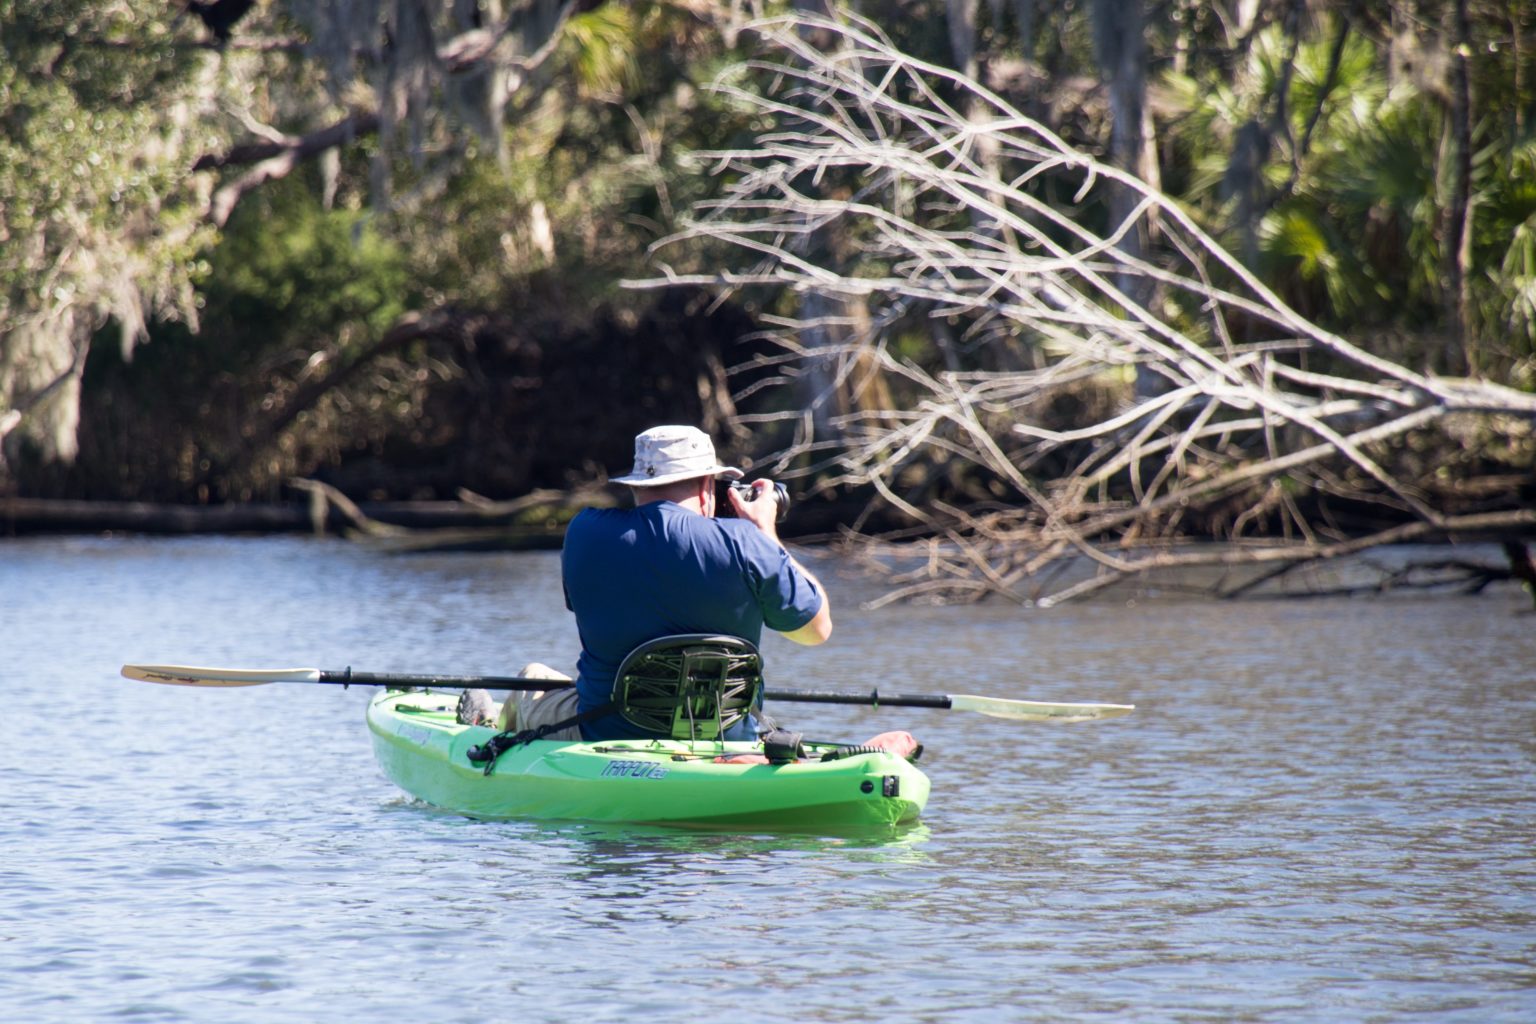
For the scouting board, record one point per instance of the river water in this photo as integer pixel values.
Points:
(1321, 811)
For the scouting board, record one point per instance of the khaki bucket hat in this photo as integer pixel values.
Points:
(664, 455)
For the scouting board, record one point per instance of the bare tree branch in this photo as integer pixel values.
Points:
(985, 219)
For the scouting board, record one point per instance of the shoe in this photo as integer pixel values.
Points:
(475, 708)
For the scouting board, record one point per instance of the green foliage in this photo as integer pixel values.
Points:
(1369, 189)
(291, 292)
(1354, 188)
(600, 49)
(1303, 246)
(1504, 247)
(598, 171)
(93, 202)
(104, 55)
(290, 272)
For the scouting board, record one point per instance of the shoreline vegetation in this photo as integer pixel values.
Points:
(1468, 560)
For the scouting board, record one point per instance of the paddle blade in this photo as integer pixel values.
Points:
(1037, 710)
(192, 675)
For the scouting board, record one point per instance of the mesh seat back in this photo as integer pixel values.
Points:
(691, 687)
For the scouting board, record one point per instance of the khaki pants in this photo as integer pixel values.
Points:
(524, 709)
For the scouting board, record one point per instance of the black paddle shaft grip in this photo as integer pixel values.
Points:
(874, 698)
(397, 681)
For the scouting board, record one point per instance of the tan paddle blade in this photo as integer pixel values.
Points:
(1037, 710)
(192, 675)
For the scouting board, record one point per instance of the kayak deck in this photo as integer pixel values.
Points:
(423, 749)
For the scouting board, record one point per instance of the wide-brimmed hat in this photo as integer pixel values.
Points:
(664, 455)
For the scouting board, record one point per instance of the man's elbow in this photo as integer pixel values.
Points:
(817, 631)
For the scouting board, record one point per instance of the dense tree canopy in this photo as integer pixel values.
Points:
(251, 198)
(99, 222)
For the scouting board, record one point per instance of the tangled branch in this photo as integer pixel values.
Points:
(906, 188)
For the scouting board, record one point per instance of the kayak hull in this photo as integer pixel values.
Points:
(423, 750)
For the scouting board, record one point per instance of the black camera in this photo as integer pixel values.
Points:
(780, 496)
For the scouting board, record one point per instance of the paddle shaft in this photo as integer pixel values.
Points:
(397, 680)
(996, 707)
(873, 699)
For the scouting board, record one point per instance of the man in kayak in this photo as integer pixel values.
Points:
(665, 567)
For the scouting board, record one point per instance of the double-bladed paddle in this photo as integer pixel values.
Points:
(997, 707)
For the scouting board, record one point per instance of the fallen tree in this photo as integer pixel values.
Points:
(1095, 387)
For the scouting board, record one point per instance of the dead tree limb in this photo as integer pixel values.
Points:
(983, 219)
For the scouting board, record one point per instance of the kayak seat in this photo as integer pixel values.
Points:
(693, 686)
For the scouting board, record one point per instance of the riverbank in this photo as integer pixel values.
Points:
(506, 525)
(535, 521)
(919, 569)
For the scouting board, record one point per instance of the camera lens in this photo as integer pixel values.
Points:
(780, 496)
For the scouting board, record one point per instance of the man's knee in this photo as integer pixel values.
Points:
(539, 670)
(529, 710)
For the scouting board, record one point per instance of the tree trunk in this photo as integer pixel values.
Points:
(41, 364)
(962, 35)
(1024, 26)
(1119, 37)
(840, 377)
(1460, 356)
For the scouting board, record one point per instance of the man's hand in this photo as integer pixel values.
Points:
(761, 509)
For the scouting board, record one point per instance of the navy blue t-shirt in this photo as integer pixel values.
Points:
(638, 574)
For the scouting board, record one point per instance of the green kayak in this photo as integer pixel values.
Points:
(423, 750)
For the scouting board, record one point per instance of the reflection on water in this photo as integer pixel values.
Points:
(1320, 811)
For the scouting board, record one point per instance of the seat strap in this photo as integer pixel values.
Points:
(486, 753)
